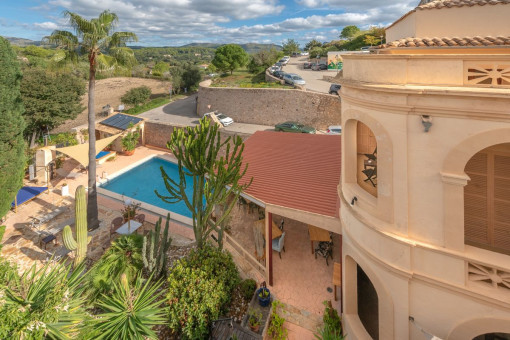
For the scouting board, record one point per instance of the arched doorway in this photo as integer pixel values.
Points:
(493, 336)
(368, 304)
(366, 150)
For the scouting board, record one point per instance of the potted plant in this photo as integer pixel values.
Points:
(254, 319)
(129, 211)
(263, 295)
(130, 140)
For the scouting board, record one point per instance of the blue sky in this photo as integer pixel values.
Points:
(179, 22)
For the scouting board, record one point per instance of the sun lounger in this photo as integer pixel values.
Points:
(40, 220)
(26, 194)
(70, 175)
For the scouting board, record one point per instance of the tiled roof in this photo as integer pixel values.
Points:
(448, 42)
(294, 170)
(439, 4)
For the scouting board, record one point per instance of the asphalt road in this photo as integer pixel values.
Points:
(183, 112)
(314, 81)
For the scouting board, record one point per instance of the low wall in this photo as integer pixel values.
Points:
(270, 106)
(158, 134)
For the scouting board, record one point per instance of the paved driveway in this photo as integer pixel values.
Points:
(183, 112)
(314, 81)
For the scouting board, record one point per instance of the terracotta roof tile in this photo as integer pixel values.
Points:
(439, 4)
(298, 171)
(447, 42)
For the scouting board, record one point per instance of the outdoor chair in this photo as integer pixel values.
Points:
(278, 244)
(280, 226)
(372, 156)
(116, 223)
(325, 249)
(371, 174)
(140, 218)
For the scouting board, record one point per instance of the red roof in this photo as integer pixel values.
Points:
(294, 170)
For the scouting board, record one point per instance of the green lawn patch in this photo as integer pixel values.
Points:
(243, 78)
(154, 103)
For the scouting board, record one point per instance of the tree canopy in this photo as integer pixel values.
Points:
(229, 58)
(290, 46)
(349, 32)
(12, 146)
(50, 99)
(312, 43)
(191, 77)
(263, 59)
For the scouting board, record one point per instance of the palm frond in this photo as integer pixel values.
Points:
(119, 39)
(80, 24)
(63, 39)
(123, 55)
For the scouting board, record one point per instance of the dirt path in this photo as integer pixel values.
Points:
(109, 91)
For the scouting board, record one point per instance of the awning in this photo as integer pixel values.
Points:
(81, 152)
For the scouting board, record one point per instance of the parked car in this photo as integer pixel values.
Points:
(279, 74)
(295, 54)
(273, 69)
(334, 130)
(284, 61)
(294, 127)
(226, 121)
(318, 67)
(307, 65)
(293, 79)
(279, 64)
(304, 53)
(286, 57)
(334, 88)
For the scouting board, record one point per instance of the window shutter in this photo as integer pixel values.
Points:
(365, 139)
(476, 218)
(487, 200)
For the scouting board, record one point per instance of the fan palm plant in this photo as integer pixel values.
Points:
(123, 257)
(106, 51)
(130, 312)
(42, 303)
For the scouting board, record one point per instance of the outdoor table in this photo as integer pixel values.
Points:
(337, 276)
(318, 234)
(276, 232)
(123, 230)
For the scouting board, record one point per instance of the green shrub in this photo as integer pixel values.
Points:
(124, 256)
(136, 96)
(276, 329)
(66, 138)
(331, 318)
(41, 304)
(130, 140)
(200, 287)
(326, 332)
(156, 102)
(248, 288)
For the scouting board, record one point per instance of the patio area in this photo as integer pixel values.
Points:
(299, 279)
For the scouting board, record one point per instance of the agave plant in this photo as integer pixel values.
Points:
(130, 312)
(123, 257)
(42, 303)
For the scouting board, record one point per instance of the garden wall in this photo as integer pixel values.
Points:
(158, 134)
(270, 106)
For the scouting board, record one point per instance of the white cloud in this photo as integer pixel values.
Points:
(48, 25)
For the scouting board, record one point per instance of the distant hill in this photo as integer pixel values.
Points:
(249, 48)
(22, 42)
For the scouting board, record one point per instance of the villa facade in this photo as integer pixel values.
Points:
(425, 187)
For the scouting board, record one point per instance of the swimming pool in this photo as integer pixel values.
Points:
(140, 182)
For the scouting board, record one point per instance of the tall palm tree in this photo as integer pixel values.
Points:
(106, 51)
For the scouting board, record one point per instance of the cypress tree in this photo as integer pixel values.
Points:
(12, 146)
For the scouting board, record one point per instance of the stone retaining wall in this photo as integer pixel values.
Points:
(270, 106)
(158, 134)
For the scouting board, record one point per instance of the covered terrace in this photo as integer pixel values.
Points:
(295, 180)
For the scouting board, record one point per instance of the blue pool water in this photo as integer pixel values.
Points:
(140, 182)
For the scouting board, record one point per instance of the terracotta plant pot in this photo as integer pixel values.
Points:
(129, 153)
(255, 328)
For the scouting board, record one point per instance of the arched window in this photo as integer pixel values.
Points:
(487, 199)
(366, 149)
(493, 336)
(368, 304)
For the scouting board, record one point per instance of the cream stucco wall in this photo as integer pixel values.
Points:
(410, 239)
(467, 21)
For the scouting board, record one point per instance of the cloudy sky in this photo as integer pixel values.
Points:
(179, 22)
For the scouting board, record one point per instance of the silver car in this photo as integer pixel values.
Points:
(293, 79)
(334, 130)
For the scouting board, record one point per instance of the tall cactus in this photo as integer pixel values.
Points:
(80, 244)
(155, 248)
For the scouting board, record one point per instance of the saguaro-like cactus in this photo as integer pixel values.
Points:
(155, 248)
(80, 244)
